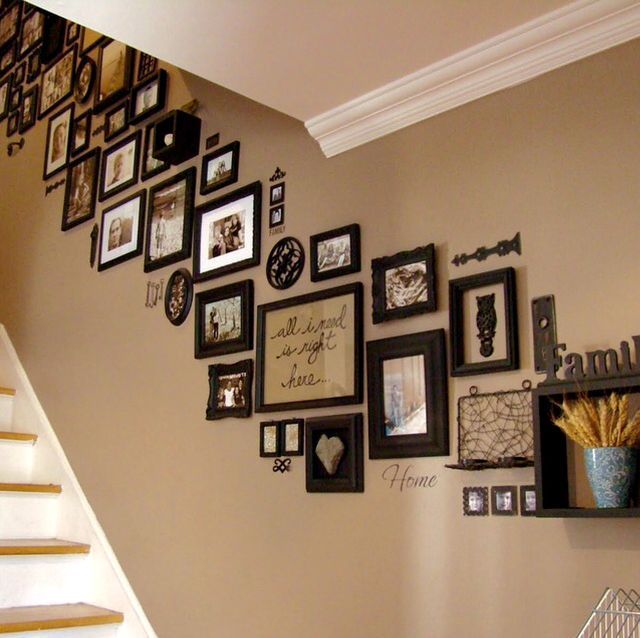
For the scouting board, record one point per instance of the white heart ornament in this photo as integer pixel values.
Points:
(330, 451)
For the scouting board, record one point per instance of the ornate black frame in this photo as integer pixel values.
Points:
(66, 225)
(485, 501)
(234, 149)
(162, 79)
(134, 137)
(184, 312)
(435, 442)
(101, 103)
(217, 370)
(353, 231)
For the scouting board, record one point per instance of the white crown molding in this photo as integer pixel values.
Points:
(536, 47)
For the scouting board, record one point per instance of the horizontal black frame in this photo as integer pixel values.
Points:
(353, 231)
(218, 370)
(231, 178)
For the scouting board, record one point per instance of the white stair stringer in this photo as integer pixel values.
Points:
(94, 578)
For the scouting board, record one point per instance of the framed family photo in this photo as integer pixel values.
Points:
(407, 392)
(114, 74)
(57, 81)
(120, 164)
(227, 233)
(527, 500)
(58, 142)
(150, 165)
(122, 231)
(404, 284)
(335, 252)
(178, 296)
(483, 323)
(170, 220)
(116, 121)
(220, 168)
(81, 133)
(148, 97)
(80, 189)
(85, 80)
(276, 194)
(230, 390)
(224, 320)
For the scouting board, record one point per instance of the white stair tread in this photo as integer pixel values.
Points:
(30, 487)
(33, 546)
(16, 619)
(18, 436)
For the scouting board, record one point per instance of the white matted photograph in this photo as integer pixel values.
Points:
(120, 166)
(58, 139)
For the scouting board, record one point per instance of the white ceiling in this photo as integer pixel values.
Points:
(321, 61)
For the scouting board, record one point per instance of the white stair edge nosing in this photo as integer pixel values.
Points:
(551, 41)
(30, 396)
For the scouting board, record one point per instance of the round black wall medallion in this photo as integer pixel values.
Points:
(178, 296)
(285, 263)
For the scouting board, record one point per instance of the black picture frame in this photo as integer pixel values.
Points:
(150, 165)
(116, 121)
(12, 123)
(147, 66)
(31, 33)
(19, 74)
(335, 252)
(348, 476)
(112, 84)
(73, 32)
(223, 376)
(15, 97)
(413, 419)
(90, 39)
(28, 109)
(129, 149)
(291, 437)
(127, 244)
(528, 504)
(85, 80)
(276, 194)
(507, 354)
(9, 25)
(81, 187)
(54, 32)
(241, 208)
(81, 133)
(475, 501)
(170, 220)
(178, 296)
(57, 81)
(270, 440)
(5, 92)
(8, 58)
(220, 168)
(58, 142)
(404, 284)
(276, 216)
(504, 500)
(293, 380)
(33, 66)
(227, 310)
(148, 97)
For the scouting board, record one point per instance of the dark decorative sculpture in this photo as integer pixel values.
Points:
(280, 465)
(501, 249)
(486, 321)
(52, 187)
(94, 245)
(277, 175)
(285, 263)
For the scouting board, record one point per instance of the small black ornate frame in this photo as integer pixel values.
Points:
(481, 494)
(285, 263)
(498, 506)
(178, 296)
(329, 252)
(224, 177)
(224, 377)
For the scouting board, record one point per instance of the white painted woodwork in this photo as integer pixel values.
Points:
(6, 410)
(101, 631)
(16, 460)
(28, 516)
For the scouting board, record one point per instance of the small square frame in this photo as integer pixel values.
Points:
(329, 252)
(276, 216)
(475, 501)
(276, 194)
(500, 504)
(155, 88)
(219, 373)
(223, 175)
(525, 500)
(271, 429)
(112, 127)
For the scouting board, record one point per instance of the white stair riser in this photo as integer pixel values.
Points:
(103, 631)
(28, 515)
(16, 461)
(42, 580)
(6, 411)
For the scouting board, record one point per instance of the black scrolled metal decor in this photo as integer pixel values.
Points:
(277, 175)
(282, 465)
(501, 249)
(51, 187)
(285, 263)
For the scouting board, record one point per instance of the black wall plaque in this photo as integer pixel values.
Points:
(543, 312)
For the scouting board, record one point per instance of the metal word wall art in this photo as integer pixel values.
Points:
(501, 249)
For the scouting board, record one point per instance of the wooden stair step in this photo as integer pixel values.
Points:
(30, 488)
(18, 436)
(16, 619)
(8, 391)
(40, 546)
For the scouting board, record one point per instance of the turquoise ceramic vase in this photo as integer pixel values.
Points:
(611, 472)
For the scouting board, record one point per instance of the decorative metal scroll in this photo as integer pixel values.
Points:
(495, 429)
(501, 249)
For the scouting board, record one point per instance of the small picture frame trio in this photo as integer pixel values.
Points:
(504, 500)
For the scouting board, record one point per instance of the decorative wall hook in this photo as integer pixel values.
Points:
(51, 187)
(155, 292)
(501, 249)
(279, 174)
(97, 130)
(14, 147)
(280, 465)
(94, 245)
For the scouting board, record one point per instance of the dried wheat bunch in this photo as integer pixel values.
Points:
(600, 422)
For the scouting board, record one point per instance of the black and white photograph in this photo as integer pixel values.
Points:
(12, 123)
(9, 23)
(335, 252)
(58, 141)
(527, 500)
(81, 133)
(148, 97)
(7, 59)
(475, 501)
(150, 165)
(178, 296)
(115, 64)
(33, 66)
(276, 194)
(220, 168)
(116, 121)
(85, 79)
(276, 216)
(120, 164)
(121, 231)
(230, 390)
(404, 284)
(504, 500)
(57, 81)
(15, 97)
(32, 32)
(28, 109)
(81, 189)
(170, 220)
(405, 410)
(73, 32)
(5, 88)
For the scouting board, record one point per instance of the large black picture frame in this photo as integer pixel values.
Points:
(507, 318)
(65, 63)
(383, 442)
(221, 374)
(138, 110)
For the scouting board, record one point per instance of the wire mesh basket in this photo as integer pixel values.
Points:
(617, 615)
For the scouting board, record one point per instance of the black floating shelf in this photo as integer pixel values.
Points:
(474, 466)
(588, 512)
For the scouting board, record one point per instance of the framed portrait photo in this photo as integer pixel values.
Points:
(116, 121)
(5, 91)
(220, 168)
(178, 296)
(224, 320)
(309, 351)
(150, 165)
(504, 500)
(120, 164)
(404, 284)
(230, 390)
(276, 194)
(15, 98)
(170, 220)
(73, 32)
(31, 33)
(122, 231)
(528, 500)
(57, 81)
(58, 142)
(335, 252)
(9, 24)
(227, 233)
(80, 189)
(28, 109)
(483, 323)
(148, 97)
(85, 80)
(115, 70)
(81, 133)
(475, 501)
(276, 216)
(12, 123)
(407, 392)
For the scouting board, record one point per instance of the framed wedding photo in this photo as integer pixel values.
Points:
(483, 323)
(335, 252)
(115, 70)
(148, 97)
(80, 189)
(407, 393)
(227, 233)
(220, 168)
(404, 284)
(81, 133)
(224, 320)
(178, 296)
(150, 165)
(116, 121)
(475, 501)
(57, 81)
(122, 231)
(230, 390)
(58, 142)
(120, 164)
(170, 221)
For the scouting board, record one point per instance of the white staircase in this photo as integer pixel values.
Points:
(59, 577)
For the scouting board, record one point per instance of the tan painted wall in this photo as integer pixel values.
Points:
(214, 542)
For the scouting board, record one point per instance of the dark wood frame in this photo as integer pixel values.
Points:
(142, 195)
(272, 212)
(5, 108)
(134, 137)
(13, 120)
(9, 65)
(379, 267)
(66, 225)
(81, 98)
(21, 54)
(62, 98)
(70, 109)
(523, 500)
(54, 33)
(299, 451)
(101, 102)
(20, 73)
(485, 501)
(349, 476)
(33, 73)
(355, 396)
(251, 190)
(146, 151)
(15, 97)
(162, 80)
(179, 319)
(234, 149)
(242, 289)
(353, 231)
(435, 442)
(70, 37)
(109, 133)
(26, 124)
(495, 489)
(218, 370)
(272, 201)
(263, 426)
(457, 287)
(76, 150)
(17, 25)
